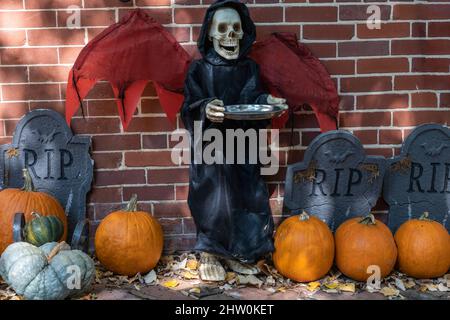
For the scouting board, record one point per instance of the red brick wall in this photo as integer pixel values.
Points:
(389, 80)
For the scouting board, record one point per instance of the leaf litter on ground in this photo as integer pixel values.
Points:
(174, 269)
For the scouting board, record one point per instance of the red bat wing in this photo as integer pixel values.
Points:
(288, 69)
(128, 54)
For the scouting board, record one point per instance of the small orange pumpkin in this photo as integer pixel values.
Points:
(129, 241)
(27, 201)
(423, 248)
(304, 248)
(361, 243)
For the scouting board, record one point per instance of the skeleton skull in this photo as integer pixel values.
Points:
(225, 32)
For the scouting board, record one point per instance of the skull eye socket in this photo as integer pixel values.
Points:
(237, 27)
(222, 27)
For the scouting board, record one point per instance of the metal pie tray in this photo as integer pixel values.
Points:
(252, 111)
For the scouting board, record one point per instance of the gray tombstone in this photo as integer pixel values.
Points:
(418, 180)
(59, 163)
(335, 181)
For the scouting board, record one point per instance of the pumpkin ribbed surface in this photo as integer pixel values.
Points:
(423, 248)
(26, 201)
(365, 242)
(41, 230)
(49, 272)
(304, 248)
(128, 242)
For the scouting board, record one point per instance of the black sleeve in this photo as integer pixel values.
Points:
(252, 91)
(195, 102)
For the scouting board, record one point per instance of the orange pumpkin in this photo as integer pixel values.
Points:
(304, 248)
(423, 248)
(129, 241)
(27, 201)
(361, 243)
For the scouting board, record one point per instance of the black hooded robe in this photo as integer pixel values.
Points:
(229, 202)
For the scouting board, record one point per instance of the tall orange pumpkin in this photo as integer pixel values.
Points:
(129, 241)
(27, 201)
(423, 248)
(304, 248)
(363, 242)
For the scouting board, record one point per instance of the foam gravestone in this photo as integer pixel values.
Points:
(336, 180)
(418, 180)
(58, 163)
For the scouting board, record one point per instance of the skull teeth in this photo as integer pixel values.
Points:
(229, 48)
(229, 43)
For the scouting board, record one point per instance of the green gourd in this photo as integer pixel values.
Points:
(43, 229)
(49, 272)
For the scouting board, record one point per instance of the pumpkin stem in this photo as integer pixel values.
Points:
(132, 205)
(28, 184)
(368, 220)
(303, 216)
(55, 251)
(424, 216)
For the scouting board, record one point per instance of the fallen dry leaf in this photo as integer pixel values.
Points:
(190, 275)
(249, 279)
(441, 287)
(230, 277)
(410, 283)
(270, 281)
(347, 287)
(192, 264)
(150, 277)
(399, 284)
(267, 269)
(331, 285)
(195, 290)
(331, 291)
(428, 287)
(133, 279)
(313, 286)
(389, 292)
(181, 265)
(171, 283)
(447, 279)
(89, 296)
(334, 276)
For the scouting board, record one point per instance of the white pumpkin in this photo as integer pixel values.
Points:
(49, 272)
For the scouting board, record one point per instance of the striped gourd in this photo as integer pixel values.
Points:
(43, 229)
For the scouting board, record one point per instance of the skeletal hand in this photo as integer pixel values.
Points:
(214, 110)
(277, 101)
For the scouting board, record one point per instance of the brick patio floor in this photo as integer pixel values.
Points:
(213, 292)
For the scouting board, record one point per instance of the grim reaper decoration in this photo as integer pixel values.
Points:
(229, 202)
